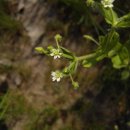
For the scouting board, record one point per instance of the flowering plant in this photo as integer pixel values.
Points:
(107, 3)
(108, 45)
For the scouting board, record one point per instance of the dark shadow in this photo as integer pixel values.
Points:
(4, 87)
(3, 126)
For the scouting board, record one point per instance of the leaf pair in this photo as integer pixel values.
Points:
(110, 47)
(112, 18)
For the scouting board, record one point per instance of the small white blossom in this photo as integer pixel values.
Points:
(107, 3)
(56, 76)
(56, 53)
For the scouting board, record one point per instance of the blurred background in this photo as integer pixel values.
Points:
(29, 100)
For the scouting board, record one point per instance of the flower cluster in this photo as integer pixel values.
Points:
(107, 3)
(56, 53)
(56, 76)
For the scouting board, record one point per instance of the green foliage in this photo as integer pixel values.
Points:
(112, 18)
(124, 21)
(91, 38)
(6, 21)
(109, 14)
(14, 106)
(109, 44)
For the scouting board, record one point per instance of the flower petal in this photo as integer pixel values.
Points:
(58, 79)
(53, 73)
(53, 79)
(55, 57)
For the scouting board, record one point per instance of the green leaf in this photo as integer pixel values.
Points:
(110, 47)
(91, 38)
(124, 22)
(71, 68)
(67, 54)
(100, 57)
(116, 62)
(121, 59)
(124, 55)
(41, 50)
(88, 64)
(114, 50)
(108, 42)
(50, 48)
(110, 15)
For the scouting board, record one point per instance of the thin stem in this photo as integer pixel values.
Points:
(57, 44)
(95, 41)
(91, 38)
(86, 56)
(71, 78)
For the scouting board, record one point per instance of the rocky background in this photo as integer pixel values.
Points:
(29, 98)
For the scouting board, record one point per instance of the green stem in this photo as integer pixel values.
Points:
(95, 41)
(72, 80)
(86, 56)
(57, 44)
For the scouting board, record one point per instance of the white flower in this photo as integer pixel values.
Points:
(107, 3)
(56, 53)
(56, 76)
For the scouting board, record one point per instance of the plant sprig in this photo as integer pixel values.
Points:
(109, 45)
